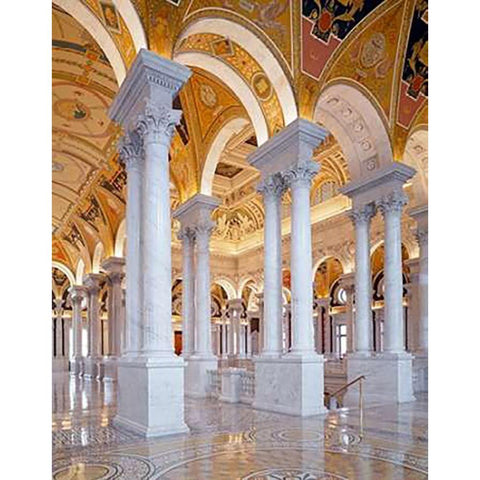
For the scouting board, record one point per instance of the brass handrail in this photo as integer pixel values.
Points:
(361, 377)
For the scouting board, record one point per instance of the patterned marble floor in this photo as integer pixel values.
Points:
(235, 442)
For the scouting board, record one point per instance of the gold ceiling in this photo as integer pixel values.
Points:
(379, 46)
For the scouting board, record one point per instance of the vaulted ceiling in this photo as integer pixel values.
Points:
(379, 46)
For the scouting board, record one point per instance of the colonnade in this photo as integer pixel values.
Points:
(289, 368)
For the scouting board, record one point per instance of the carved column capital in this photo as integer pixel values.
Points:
(130, 149)
(362, 214)
(301, 174)
(157, 123)
(421, 236)
(77, 293)
(392, 202)
(186, 234)
(272, 186)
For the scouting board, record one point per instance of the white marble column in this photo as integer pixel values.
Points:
(235, 308)
(58, 328)
(156, 125)
(224, 333)
(299, 179)
(187, 237)
(113, 268)
(131, 154)
(272, 189)
(261, 323)
(77, 294)
(143, 107)
(249, 335)
(92, 282)
(422, 239)
(361, 218)
(391, 207)
(348, 284)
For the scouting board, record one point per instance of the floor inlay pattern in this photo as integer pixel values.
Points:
(235, 442)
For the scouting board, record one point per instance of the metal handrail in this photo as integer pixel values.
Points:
(361, 377)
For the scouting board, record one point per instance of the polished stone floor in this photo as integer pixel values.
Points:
(235, 442)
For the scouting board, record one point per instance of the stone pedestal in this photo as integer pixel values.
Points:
(291, 384)
(231, 390)
(420, 373)
(388, 379)
(196, 375)
(150, 400)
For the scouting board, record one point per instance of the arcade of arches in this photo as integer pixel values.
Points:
(239, 239)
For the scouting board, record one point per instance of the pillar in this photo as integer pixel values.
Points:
(92, 282)
(187, 237)
(388, 373)
(348, 284)
(143, 107)
(361, 218)
(195, 215)
(224, 333)
(77, 295)
(391, 207)
(113, 268)
(291, 383)
(249, 335)
(272, 189)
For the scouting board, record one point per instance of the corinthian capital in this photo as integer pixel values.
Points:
(363, 214)
(422, 236)
(186, 233)
(273, 186)
(157, 122)
(393, 202)
(130, 149)
(301, 174)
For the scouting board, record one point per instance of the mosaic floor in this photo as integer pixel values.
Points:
(234, 442)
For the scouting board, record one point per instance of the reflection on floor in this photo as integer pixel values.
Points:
(234, 442)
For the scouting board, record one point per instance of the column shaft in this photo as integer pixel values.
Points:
(422, 238)
(188, 292)
(391, 208)
(299, 179)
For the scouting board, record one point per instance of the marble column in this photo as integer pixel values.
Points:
(389, 373)
(272, 189)
(113, 268)
(92, 282)
(60, 363)
(361, 218)
(289, 154)
(77, 295)
(143, 107)
(187, 237)
(224, 333)
(348, 283)
(420, 362)
(195, 215)
(249, 335)
(235, 307)
(261, 323)
(131, 154)
(391, 207)
(299, 178)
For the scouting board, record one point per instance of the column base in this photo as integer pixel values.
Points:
(150, 395)
(90, 367)
(231, 387)
(197, 383)
(388, 379)
(420, 373)
(292, 384)
(110, 369)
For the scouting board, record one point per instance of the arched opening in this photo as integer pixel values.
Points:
(357, 126)
(98, 256)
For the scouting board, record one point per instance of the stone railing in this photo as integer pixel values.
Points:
(214, 382)
(247, 383)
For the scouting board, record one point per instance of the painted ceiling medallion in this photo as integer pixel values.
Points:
(71, 109)
(262, 86)
(208, 96)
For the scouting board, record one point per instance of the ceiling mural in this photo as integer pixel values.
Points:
(325, 24)
(380, 46)
(246, 66)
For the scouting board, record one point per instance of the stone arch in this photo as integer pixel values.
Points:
(97, 30)
(416, 156)
(64, 269)
(80, 271)
(317, 263)
(230, 128)
(235, 82)
(252, 44)
(243, 282)
(120, 238)
(358, 127)
(227, 285)
(98, 255)
(134, 25)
